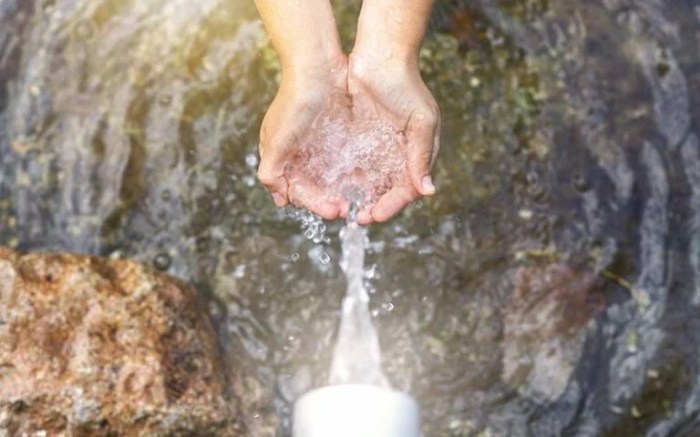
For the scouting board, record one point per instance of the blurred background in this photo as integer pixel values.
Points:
(551, 287)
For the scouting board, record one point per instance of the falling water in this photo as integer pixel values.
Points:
(357, 357)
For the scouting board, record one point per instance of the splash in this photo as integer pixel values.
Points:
(345, 152)
(357, 356)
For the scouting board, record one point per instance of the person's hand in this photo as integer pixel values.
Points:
(287, 127)
(393, 91)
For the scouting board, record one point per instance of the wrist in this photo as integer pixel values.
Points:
(380, 51)
(327, 68)
(368, 65)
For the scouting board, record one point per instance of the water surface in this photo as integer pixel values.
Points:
(550, 288)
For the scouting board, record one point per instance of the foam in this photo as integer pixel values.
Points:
(347, 155)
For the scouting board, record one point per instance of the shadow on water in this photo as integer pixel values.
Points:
(552, 287)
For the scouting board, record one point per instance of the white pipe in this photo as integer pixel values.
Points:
(356, 410)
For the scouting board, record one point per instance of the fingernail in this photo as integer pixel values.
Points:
(278, 199)
(428, 187)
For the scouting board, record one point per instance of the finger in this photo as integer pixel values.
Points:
(303, 194)
(279, 142)
(271, 168)
(393, 202)
(279, 199)
(436, 142)
(421, 136)
(364, 217)
(275, 182)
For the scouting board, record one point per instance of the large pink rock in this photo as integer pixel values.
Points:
(105, 347)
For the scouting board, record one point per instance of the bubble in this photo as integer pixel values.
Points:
(162, 261)
(295, 257)
(388, 306)
(312, 226)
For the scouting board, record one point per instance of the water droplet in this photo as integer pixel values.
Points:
(166, 196)
(251, 160)
(162, 261)
(239, 271)
(324, 258)
(581, 183)
(525, 214)
(371, 273)
(249, 181)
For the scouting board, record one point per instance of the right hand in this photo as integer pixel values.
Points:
(285, 129)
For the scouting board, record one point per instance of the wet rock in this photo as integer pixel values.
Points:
(545, 323)
(96, 347)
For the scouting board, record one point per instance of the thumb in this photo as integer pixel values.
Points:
(271, 172)
(421, 143)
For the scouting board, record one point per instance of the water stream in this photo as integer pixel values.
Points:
(357, 355)
(551, 287)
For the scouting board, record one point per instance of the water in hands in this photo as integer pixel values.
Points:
(346, 151)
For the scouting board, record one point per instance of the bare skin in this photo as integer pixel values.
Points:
(382, 77)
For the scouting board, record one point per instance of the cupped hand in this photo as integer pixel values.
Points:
(287, 127)
(393, 91)
(304, 164)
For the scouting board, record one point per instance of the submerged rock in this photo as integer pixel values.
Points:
(105, 347)
(545, 327)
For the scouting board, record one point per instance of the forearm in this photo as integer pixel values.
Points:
(393, 29)
(303, 32)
